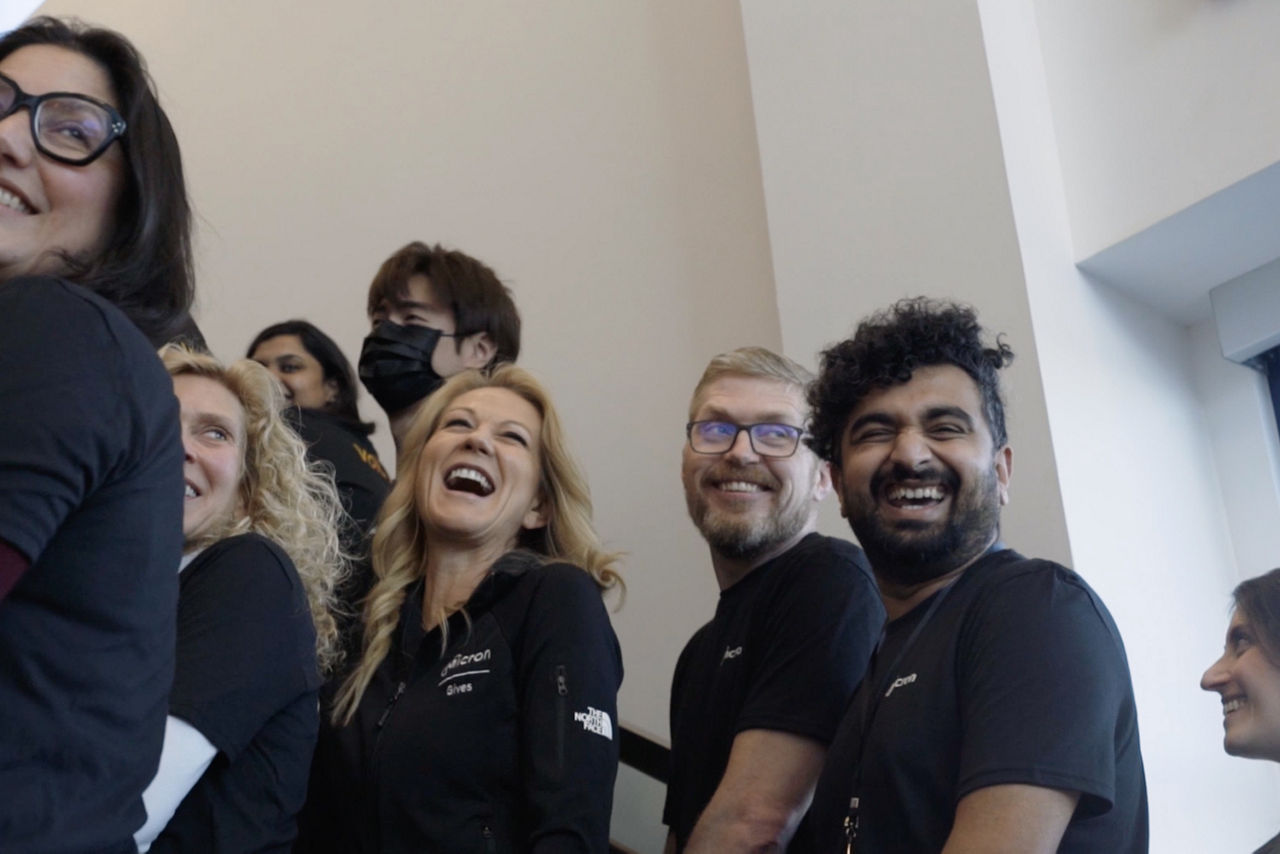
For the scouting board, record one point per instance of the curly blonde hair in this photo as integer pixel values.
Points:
(399, 543)
(283, 497)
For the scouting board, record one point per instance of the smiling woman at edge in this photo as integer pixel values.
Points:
(95, 259)
(1248, 676)
(482, 714)
(260, 565)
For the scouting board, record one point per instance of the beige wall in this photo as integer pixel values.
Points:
(1158, 104)
(601, 156)
(884, 178)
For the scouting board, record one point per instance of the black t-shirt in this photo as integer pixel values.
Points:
(788, 645)
(1018, 676)
(247, 680)
(91, 494)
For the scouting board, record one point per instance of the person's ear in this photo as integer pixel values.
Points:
(1004, 472)
(536, 516)
(477, 350)
(330, 392)
(822, 480)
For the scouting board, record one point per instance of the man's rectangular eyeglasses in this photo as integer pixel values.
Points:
(70, 128)
(767, 440)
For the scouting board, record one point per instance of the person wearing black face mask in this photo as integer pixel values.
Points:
(435, 312)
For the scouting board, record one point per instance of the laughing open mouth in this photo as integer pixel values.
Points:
(915, 496)
(468, 479)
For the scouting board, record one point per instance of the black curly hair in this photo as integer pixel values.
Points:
(887, 348)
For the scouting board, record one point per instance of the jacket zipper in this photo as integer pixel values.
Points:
(371, 770)
(386, 713)
(562, 692)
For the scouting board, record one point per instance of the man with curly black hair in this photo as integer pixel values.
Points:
(998, 712)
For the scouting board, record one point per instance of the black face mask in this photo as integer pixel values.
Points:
(395, 364)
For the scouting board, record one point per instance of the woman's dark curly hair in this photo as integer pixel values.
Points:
(885, 351)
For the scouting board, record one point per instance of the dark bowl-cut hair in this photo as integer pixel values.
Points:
(145, 265)
(1258, 599)
(332, 361)
(472, 291)
(887, 348)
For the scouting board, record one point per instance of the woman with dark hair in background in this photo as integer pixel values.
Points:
(318, 380)
(95, 268)
(1247, 676)
(482, 714)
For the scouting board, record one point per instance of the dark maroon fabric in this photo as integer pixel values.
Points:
(12, 565)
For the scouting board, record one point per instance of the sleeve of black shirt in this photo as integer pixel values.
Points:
(246, 645)
(671, 798)
(65, 422)
(570, 670)
(818, 639)
(1043, 677)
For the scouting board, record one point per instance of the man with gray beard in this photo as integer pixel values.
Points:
(759, 690)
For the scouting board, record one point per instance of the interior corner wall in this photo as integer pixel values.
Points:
(1158, 103)
(1140, 477)
(600, 156)
(883, 179)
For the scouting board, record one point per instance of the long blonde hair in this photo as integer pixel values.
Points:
(283, 497)
(399, 543)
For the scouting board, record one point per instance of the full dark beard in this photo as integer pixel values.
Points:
(909, 555)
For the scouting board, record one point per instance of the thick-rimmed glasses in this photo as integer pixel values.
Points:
(767, 440)
(70, 128)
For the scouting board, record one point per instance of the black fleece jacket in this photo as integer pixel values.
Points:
(506, 742)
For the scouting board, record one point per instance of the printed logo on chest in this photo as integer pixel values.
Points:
(457, 676)
(731, 652)
(900, 682)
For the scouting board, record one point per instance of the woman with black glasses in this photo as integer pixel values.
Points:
(95, 269)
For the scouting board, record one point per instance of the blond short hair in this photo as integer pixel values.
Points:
(754, 363)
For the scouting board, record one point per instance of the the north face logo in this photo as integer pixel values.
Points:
(594, 720)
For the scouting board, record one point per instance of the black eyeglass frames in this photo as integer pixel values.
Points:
(66, 127)
(767, 439)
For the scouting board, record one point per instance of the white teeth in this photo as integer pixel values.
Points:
(920, 493)
(1231, 705)
(741, 486)
(190, 491)
(471, 474)
(9, 200)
